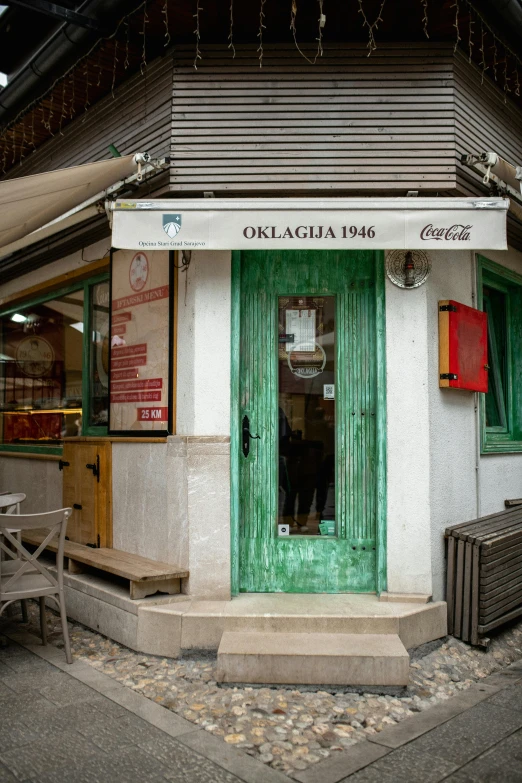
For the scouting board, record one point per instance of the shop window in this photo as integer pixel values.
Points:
(54, 368)
(500, 292)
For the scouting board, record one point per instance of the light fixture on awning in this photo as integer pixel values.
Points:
(315, 223)
(506, 178)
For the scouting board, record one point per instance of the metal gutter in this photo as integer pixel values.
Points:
(300, 205)
(505, 16)
(68, 44)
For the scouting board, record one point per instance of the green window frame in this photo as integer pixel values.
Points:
(500, 295)
(86, 285)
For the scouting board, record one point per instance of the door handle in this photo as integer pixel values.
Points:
(62, 464)
(247, 436)
(95, 467)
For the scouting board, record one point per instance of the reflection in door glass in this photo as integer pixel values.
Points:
(306, 373)
(98, 414)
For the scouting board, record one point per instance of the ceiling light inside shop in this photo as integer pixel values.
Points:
(19, 318)
(78, 326)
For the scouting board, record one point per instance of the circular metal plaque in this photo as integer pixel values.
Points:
(397, 263)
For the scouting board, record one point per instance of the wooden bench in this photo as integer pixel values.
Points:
(145, 576)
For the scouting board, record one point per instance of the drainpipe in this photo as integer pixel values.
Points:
(476, 396)
(61, 50)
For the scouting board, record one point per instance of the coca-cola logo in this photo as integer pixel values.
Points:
(458, 232)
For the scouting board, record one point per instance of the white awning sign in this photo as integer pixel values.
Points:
(300, 224)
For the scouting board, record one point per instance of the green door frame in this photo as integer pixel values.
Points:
(381, 499)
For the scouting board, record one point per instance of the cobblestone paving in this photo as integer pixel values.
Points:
(288, 729)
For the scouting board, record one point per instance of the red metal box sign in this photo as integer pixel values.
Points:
(463, 347)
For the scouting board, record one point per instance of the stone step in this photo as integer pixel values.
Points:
(204, 622)
(312, 659)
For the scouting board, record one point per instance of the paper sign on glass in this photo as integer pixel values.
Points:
(301, 323)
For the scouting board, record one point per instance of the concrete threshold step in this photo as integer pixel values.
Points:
(312, 659)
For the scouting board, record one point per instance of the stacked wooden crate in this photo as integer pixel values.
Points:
(484, 575)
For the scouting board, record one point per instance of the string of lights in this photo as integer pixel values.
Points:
(231, 33)
(425, 17)
(372, 45)
(260, 33)
(293, 28)
(165, 12)
(8, 133)
(58, 104)
(197, 33)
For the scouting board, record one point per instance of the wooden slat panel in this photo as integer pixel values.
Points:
(475, 595)
(459, 589)
(490, 547)
(466, 593)
(501, 620)
(137, 119)
(484, 524)
(507, 575)
(450, 582)
(501, 609)
(496, 598)
(488, 581)
(346, 122)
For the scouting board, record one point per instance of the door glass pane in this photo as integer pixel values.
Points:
(306, 400)
(99, 356)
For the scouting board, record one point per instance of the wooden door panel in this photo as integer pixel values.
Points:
(90, 524)
(346, 562)
(104, 495)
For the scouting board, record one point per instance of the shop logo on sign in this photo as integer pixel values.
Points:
(171, 225)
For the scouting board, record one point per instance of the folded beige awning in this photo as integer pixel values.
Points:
(28, 203)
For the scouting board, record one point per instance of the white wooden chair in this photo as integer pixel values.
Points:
(28, 577)
(10, 504)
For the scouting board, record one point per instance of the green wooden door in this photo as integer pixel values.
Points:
(308, 457)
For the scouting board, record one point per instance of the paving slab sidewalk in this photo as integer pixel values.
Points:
(475, 737)
(63, 723)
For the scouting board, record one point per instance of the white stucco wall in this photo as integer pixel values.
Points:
(203, 358)
(463, 483)
(408, 472)
(452, 421)
(500, 474)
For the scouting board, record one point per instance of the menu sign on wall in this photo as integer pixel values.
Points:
(140, 330)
